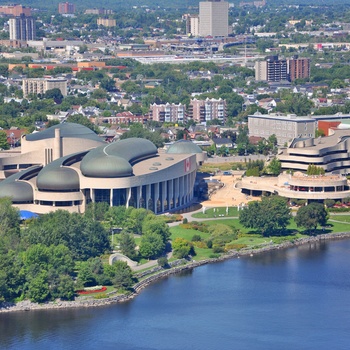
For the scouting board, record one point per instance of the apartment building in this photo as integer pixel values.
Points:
(106, 22)
(213, 18)
(15, 10)
(192, 25)
(66, 8)
(202, 111)
(22, 28)
(273, 69)
(40, 86)
(172, 113)
(298, 68)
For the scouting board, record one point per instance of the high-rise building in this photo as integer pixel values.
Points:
(22, 28)
(173, 113)
(298, 68)
(272, 69)
(202, 111)
(192, 25)
(213, 18)
(66, 8)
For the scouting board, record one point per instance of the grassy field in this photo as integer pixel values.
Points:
(210, 213)
(178, 231)
(213, 167)
(342, 218)
(251, 238)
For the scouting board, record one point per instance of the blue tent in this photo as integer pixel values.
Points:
(26, 215)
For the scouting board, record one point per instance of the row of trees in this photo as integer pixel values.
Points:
(271, 216)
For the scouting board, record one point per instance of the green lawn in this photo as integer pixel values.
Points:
(178, 231)
(343, 218)
(209, 213)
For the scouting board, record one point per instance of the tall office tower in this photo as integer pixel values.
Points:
(66, 8)
(213, 18)
(299, 68)
(22, 28)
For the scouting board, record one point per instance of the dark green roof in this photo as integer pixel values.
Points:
(116, 159)
(18, 191)
(67, 130)
(184, 146)
(56, 177)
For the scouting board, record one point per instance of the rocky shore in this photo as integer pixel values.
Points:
(112, 299)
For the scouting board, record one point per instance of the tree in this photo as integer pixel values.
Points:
(269, 216)
(182, 248)
(274, 167)
(311, 215)
(156, 224)
(127, 245)
(55, 94)
(152, 245)
(134, 221)
(38, 288)
(122, 275)
(3, 140)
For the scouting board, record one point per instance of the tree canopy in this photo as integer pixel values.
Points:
(270, 216)
(311, 215)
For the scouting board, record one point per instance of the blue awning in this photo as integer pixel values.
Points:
(26, 215)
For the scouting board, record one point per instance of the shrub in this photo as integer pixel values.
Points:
(218, 249)
(209, 243)
(196, 238)
(185, 221)
(214, 256)
(163, 262)
(235, 246)
(329, 203)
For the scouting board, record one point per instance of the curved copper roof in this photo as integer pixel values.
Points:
(67, 130)
(184, 146)
(116, 159)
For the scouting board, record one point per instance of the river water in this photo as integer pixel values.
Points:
(292, 299)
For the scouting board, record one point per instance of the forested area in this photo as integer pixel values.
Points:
(59, 253)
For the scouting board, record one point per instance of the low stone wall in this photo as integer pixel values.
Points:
(28, 306)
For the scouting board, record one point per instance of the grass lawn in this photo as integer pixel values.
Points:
(209, 213)
(343, 218)
(212, 167)
(202, 253)
(178, 231)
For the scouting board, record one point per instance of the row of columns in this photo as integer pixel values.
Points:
(158, 197)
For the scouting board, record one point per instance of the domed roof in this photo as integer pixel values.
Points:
(18, 191)
(105, 166)
(116, 159)
(56, 178)
(67, 130)
(185, 147)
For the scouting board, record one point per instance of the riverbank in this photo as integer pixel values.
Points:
(29, 306)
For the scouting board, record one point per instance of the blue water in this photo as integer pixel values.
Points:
(292, 299)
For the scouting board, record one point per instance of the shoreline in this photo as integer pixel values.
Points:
(27, 305)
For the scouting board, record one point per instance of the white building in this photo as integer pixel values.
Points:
(286, 128)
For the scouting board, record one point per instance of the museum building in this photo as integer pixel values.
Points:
(68, 166)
